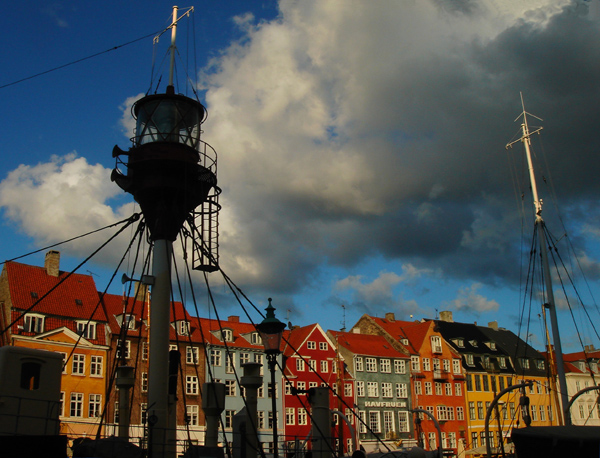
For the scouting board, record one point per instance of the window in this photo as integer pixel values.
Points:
(192, 414)
(524, 363)
(474, 439)
(358, 363)
(543, 413)
(486, 383)
(374, 422)
(386, 390)
(458, 389)
(128, 322)
(480, 413)
(94, 405)
(469, 382)
(472, 411)
(191, 384)
(399, 366)
(270, 390)
(388, 422)
(301, 385)
(78, 367)
(145, 351)
(230, 388)
(324, 367)
(348, 389)
(302, 416)
(442, 413)
(540, 364)
(534, 412)
(191, 355)
(260, 417)
(460, 413)
(244, 358)
(372, 389)
(229, 363)
(469, 359)
(426, 364)
(436, 344)
(290, 417)
(438, 388)
(300, 364)
(362, 420)
(456, 366)
(61, 409)
(371, 364)
(446, 365)
(448, 389)
(477, 382)
(452, 440)
(229, 418)
(144, 382)
(385, 366)
(414, 364)
(215, 357)
(311, 345)
(431, 438)
(76, 407)
(403, 425)
(255, 339)
(428, 388)
(436, 364)
(418, 388)
(227, 335)
(323, 346)
(33, 323)
(123, 349)
(87, 330)
(401, 390)
(501, 362)
(312, 364)
(360, 388)
(96, 366)
(261, 391)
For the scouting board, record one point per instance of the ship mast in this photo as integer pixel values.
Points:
(540, 226)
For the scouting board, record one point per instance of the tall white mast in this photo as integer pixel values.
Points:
(540, 227)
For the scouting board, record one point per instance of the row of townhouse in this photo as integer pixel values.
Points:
(377, 373)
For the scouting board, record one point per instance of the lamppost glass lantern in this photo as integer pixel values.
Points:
(271, 331)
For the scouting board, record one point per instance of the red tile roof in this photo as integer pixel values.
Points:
(414, 331)
(241, 332)
(75, 297)
(367, 344)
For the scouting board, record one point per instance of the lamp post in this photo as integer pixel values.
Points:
(271, 331)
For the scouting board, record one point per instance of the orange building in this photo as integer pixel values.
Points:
(45, 308)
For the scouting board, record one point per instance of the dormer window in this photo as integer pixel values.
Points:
(183, 328)
(127, 322)
(469, 360)
(540, 364)
(34, 295)
(473, 343)
(436, 344)
(581, 365)
(86, 330)
(227, 335)
(78, 302)
(524, 363)
(460, 343)
(33, 323)
(594, 367)
(502, 362)
(255, 339)
(404, 341)
(491, 345)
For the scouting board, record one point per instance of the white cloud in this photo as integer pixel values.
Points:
(60, 199)
(469, 300)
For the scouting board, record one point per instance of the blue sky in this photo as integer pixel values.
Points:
(361, 145)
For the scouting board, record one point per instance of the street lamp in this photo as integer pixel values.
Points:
(271, 331)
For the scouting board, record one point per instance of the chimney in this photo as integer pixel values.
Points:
(446, 316)
(390, 316)
(233, 319)
(493, 325)
(52, 263)
(140, 290)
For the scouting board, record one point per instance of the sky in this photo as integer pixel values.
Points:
(361, 147)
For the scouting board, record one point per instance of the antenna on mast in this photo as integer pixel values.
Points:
(343, 318)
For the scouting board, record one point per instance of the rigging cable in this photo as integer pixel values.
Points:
(114, 48)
